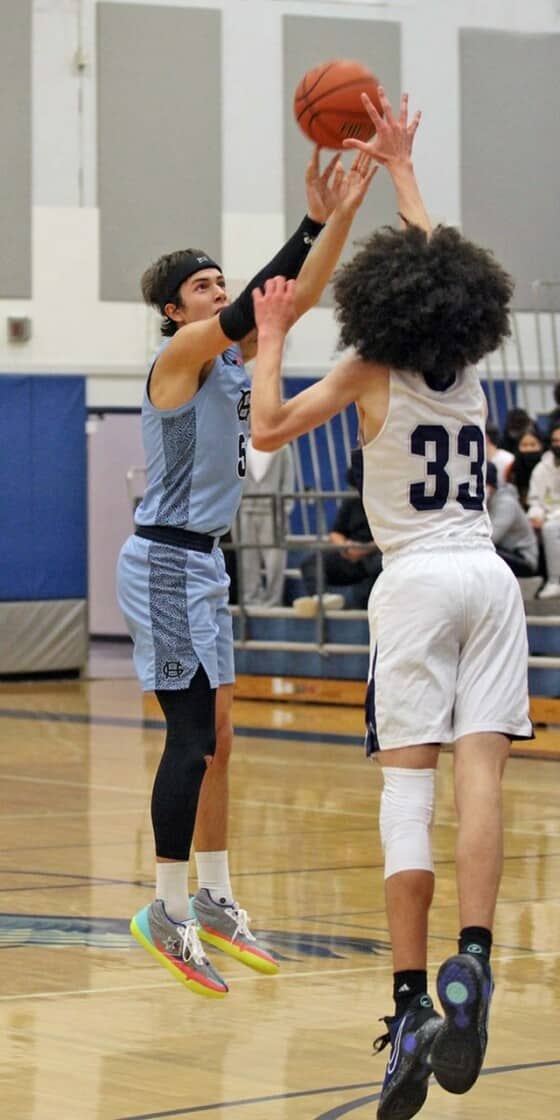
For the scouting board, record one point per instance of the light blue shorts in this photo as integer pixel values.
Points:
(175, 603)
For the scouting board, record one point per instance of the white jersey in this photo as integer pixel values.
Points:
(424, 474)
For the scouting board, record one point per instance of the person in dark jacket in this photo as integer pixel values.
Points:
(353, 566)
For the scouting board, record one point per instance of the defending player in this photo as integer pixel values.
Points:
(448, 634)
(173, 588)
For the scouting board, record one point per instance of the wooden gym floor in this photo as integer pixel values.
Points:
(93, 1029)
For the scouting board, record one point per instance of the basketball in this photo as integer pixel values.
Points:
(328, 106)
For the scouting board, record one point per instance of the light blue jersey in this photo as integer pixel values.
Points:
(196, 454)
(175, 598)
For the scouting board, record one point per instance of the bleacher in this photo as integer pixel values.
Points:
(315, 654)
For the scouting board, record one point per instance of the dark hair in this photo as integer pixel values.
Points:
(155, 286)
(517, 420)
(556, 392)
(492, 431)
(531, 429)
(524, 463)
(433, 304)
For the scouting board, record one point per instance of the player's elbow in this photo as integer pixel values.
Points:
(264, 438)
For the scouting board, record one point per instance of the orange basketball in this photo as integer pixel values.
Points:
(328, 106)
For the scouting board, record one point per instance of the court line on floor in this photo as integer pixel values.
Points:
(274, 805)
(333, 1113)
(312, 973)
(324, 737)
(296, 1095)
(315, 974)
(72, 785)
(351, 1106)
(101, 880)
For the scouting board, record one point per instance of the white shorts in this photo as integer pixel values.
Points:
(449, 654)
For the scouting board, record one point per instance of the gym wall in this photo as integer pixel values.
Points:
(510, 159)
(159, 138)
(15, 146)
(123, 93)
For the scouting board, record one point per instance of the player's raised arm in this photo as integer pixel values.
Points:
(392, 146)
(348, 190)
(275, 422)
(202, 328)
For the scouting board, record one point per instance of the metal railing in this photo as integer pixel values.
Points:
(275, 505)
(312, 502)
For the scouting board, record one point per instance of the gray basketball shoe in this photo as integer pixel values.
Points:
(226, 926)
(176, 945)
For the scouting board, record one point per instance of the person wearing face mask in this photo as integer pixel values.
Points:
(544, 511)
(516, 421)
(528, 454)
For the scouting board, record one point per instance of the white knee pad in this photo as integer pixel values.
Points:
(405, 819)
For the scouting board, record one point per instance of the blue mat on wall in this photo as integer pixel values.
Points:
(43, 492)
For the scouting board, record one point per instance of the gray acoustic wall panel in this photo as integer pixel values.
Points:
(15, 148)
(308, 41)
(510, 166)
(159, 138)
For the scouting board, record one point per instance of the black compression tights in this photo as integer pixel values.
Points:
(190, 715)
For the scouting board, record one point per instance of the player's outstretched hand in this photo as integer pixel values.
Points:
(353, 185)
(275, 308)
(394, 136)
(321, 187)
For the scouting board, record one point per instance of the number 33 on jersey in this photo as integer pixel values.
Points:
(424, 472)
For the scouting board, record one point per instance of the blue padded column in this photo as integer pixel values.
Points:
(43, 511)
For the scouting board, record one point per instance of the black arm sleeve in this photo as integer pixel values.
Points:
(238, 319)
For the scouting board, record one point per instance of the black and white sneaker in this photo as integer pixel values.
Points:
(464, 987)
(410, 1036)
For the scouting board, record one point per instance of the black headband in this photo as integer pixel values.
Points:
(187, 266)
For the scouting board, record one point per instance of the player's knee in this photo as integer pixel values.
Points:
(405, 819)
(192, 749)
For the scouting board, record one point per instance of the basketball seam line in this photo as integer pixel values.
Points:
(347, 85)
(306, 91)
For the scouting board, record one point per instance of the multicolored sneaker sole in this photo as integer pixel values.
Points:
(226, 928)
(149, 928)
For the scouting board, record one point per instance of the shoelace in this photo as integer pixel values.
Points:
(191, 948)
(241, 919)
(384, 1040)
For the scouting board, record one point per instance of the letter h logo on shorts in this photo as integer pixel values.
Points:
(173, 670)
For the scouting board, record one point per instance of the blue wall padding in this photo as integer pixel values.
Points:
(327, 481)
(43, 491)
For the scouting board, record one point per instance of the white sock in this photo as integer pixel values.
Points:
(213, 873)
(172, 886)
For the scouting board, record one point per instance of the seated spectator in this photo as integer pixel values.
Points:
(512, 532)
(517, 420)
(263, 524)
(544, 511)
(354, 565)
(496, 454)
(554, 416)
(528, 453)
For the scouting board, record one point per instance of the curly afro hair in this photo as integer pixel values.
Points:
(433, 304)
